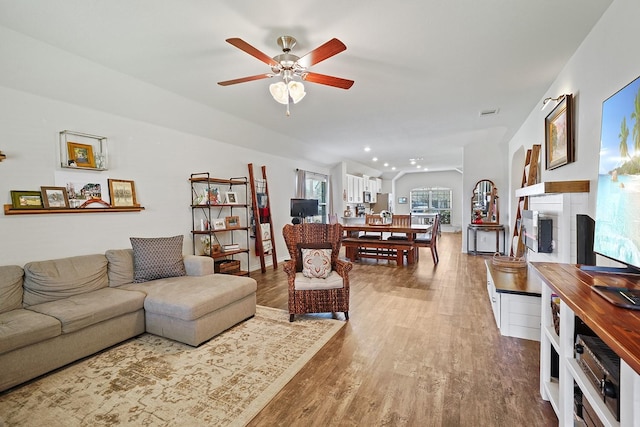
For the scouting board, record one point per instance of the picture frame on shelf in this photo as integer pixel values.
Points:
(213, 197)
(122, 193)
(558, 135)
(55, 197)
(232, 221)
(231, 197)
(26, 199)
(219, 224)
(81, 155)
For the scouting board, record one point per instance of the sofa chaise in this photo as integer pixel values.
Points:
(57, 311)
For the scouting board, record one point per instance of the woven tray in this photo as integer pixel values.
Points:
(508, 262)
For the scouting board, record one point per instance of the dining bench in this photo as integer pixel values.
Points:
(379, 249)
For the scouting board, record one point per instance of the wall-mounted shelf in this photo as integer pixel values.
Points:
(551, 187)
(9, 210)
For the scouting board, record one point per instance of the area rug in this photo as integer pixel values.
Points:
(153, 381)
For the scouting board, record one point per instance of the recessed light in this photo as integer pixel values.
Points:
(367, 149)
(413, 162)
(386, 165)
(393, 168)
(418, 167)
(375, 159)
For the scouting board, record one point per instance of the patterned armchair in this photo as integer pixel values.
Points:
(307, 245)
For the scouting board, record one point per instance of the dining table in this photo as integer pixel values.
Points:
(388, 248)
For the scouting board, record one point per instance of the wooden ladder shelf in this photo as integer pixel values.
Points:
(265, 241)
(529, 177)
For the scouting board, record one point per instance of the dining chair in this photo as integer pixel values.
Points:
(429, 241)
(400, 221)
(370, 219)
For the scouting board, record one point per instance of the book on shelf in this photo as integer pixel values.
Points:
(231, 247)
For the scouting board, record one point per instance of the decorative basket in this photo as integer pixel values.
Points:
(508, 262)
(227, 266)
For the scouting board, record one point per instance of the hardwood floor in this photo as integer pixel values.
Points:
(421, 348)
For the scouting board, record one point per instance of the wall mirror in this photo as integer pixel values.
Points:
(484, 203)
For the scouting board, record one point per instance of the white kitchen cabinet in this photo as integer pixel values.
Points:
(515, 301)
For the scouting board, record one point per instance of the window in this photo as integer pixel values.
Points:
(315, 187)
(432, 200)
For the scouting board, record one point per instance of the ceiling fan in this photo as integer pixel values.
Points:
(289, 66)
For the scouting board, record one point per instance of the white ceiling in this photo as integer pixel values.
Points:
(423, 69)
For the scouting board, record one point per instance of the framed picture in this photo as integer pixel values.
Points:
(232, 221)
(402, 200)
(558, 135)
(55, 197)
(26, 199)
(219, 224)
(122, 193)
(81, 155)
(231, 197)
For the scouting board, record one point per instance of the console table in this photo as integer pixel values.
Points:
(618, 327)
(496, 228)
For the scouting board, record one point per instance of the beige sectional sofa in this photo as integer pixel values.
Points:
(58, 311)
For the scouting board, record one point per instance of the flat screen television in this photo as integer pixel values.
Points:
(617, 228)
(302, 208)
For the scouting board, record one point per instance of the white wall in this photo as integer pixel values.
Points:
(158, 159)
(605, 62)
(485, 161)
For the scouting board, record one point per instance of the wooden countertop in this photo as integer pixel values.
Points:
(513, 281)
(618, 327)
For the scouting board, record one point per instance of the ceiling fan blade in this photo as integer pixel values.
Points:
(327, 50)
(245, 79)
(327, 80)
(244, 46)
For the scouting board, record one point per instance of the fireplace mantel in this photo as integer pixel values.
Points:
(553, 187)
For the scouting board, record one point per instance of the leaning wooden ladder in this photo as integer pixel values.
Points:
(529, 177)
(265, 241)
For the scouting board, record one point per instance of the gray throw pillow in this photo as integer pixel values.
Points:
(157, 258)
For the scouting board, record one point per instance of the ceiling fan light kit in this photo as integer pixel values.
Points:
(282, 92)
(289, 66)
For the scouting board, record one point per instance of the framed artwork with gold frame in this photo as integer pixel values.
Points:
(559, 134)
(231, 222)
(81, 155)
(122, 193)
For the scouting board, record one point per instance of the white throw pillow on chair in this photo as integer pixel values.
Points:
(316, 263)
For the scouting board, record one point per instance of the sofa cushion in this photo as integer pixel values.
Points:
(333, 281)
(198, 265)
(20, 328)
(120, 268)
(10, 287)
(56, 279)
(80, 311)
(191, 297)
(157, 258)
